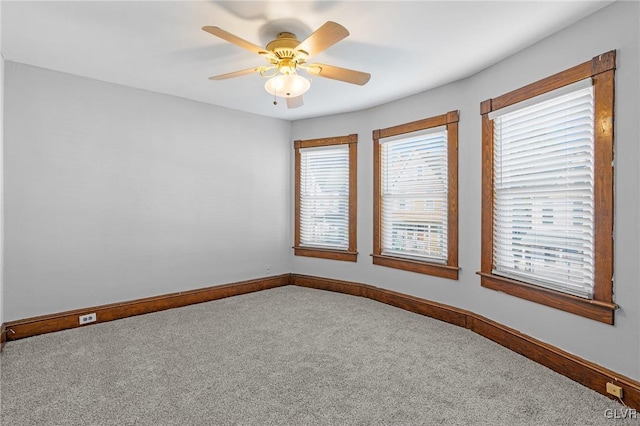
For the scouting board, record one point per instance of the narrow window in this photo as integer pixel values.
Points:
(548, 193)
(326, 198)
(415, 179)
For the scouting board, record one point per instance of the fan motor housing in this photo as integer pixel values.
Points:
(284, 45)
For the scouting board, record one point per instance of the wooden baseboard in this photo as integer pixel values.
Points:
(3, 336)
(410, 303)
(64, 320)
(580, 370)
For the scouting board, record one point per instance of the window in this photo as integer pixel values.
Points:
(547, 199)
(325, 203)
(416, 196)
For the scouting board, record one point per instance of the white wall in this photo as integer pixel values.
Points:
(114, 193)
(616, 347)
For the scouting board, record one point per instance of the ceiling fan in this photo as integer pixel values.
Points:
(286, 55)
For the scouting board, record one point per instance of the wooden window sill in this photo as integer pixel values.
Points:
(349, 256)
(588, 308)
(435, 269)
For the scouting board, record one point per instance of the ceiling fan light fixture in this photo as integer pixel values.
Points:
(287, 85)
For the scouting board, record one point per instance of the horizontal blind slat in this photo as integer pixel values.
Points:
(543, 193)
(414, 197)
(324, 197)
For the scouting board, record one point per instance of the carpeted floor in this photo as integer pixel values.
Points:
(286, 356)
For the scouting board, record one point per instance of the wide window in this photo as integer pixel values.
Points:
(325, 201)
(415, 225)
(547, 191)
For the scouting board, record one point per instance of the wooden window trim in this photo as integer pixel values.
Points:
(450, 269)
(351, 254)
(601, 69)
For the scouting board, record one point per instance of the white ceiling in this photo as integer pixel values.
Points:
(407, 46)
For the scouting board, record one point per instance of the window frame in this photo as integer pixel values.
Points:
(351, 253)
(601, 69)
(450, 269)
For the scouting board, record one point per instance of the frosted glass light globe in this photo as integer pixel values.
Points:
(287, 85)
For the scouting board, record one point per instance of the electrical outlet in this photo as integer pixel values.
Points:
(268, 268)
(614, 390)
(86, 319)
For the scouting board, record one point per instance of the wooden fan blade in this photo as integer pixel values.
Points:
(294, 102)
(225, 35)
(337, 73)
(325, 36)
(239, 73)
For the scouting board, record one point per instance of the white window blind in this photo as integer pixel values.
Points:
(543, 193)
(414, 196)
(324, 197)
